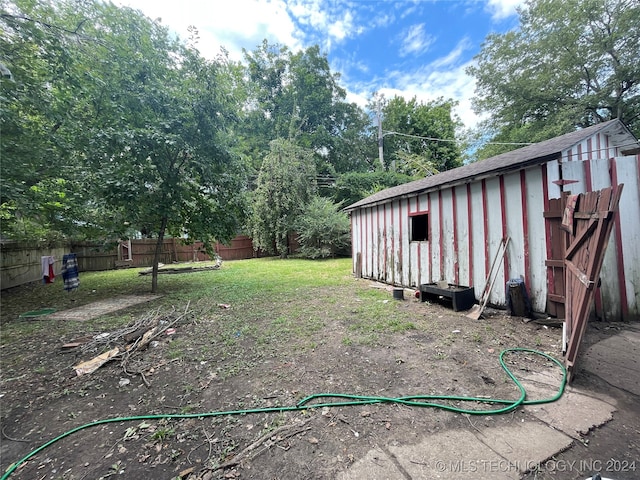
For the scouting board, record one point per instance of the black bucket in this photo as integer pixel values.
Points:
(398, 293)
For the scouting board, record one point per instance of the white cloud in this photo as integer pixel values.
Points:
(415, 40)
(501, 9)
(230, 24)
(444, 77)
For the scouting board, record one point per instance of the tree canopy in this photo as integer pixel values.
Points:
(568, 65)
(122, 115)
(112, 127)
(286, 185)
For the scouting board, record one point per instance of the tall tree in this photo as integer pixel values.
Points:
(286, 184)
(568, 65)
(296, 96)
(419, 138)
(141, 119)
(40, 196)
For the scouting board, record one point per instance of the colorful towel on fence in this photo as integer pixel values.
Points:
(46, 262)
(70, 271)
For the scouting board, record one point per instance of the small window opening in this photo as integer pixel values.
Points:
(420, 227)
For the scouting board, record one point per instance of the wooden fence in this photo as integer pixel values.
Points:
(21, 262)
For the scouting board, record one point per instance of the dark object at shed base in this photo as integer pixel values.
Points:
(458, 296)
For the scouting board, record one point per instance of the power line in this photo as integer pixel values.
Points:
(450, 140)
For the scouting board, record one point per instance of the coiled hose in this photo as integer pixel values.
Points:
(346, 400)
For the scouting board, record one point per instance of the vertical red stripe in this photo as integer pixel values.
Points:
(429, 239)
(620, 256)
(419, 246)
(378, 242)
(366, 240)
(400, 247)
(441, 236)
(393, 247)
(456, 273)
(485, 215)
(470, 235)
(503, 205)
(587, 176)
(373, 253)
(580, 152)
(598, 145)
(589, 148)
(361, 225)
(525, 228)
(386, 234)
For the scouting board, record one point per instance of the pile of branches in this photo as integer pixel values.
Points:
(124, 344)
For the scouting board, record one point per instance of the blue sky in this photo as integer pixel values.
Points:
(397, 47)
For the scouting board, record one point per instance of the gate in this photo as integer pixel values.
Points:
(591, 226)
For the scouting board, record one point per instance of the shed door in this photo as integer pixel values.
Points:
(557, 240)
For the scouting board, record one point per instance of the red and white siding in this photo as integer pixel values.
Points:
(468, 221)
(466, 225)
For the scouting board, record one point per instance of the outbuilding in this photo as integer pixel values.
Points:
(449, 227)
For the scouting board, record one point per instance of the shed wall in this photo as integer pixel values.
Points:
(467, 222)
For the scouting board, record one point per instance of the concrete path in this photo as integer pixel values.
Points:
(538, 433)
(102, 307)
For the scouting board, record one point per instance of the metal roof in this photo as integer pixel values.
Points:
(513, 160)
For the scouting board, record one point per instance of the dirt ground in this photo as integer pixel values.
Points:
(201, 368)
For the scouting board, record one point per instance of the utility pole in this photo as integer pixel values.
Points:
(380, 136)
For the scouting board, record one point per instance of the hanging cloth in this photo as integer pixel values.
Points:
(47, 262)
(70, 271)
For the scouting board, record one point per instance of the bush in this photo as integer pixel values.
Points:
(323, 230)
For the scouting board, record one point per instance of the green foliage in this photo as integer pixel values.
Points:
(407, 123)
(568, 65)
(353, 187)
(113, 125)
(286, 184)
(323, 230)
(296, 96)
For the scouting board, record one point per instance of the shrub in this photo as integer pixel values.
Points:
(323, 230)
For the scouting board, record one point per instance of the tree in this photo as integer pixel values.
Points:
(419, 138)
(286, 184)
(323, 230)
(40, 198)
(140, 120)
(164, 166)
(568, 65)
(296, 96)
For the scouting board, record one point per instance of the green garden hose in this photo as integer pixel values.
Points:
(347, 400)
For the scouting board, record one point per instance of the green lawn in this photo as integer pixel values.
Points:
(269, 299)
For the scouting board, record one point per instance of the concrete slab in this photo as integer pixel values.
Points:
(575, 413)
(615, 360)
(375, 464)
(102, 307)
(525, 445)
(454, 454)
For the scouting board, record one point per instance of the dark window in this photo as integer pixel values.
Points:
(420, 227)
